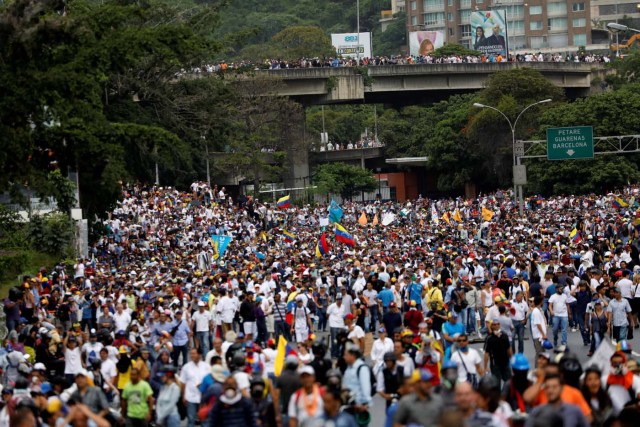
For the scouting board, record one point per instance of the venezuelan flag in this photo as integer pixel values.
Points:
(619, 203)
(575, 235)
(288, 236)
(322, 247)
(284, 202)
(283, 350)
(342, 235)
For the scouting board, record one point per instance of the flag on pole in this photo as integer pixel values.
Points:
(263, 236)
(487, 214)
(456, 216)
(335, 212)
(575, 236)
(283, 350)
(219, 244)
(322, 247)
(375, 219)
(284, 202)
(342, 235)
(619, 203)
(363, 219)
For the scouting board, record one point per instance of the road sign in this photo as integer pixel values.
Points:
(570, 143)
(518, 149)
(519, 175)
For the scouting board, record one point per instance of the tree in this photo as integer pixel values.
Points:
(453, 49)
(302, 42)
(342, 178)
(394, 39)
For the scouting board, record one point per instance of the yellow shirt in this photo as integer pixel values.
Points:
(435, 295)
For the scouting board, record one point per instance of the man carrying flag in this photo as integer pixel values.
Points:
(289, 237)
(322, 247)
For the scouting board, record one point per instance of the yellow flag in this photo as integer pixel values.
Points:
(281, 353)
(456, 215)
(363, 219)
(487, 214)
(445, 217)
(263, 236)
(375, 219)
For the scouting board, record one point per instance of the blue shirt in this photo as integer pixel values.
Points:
(358, 381)
(451, 330)
(181, 336)
(415, 293)
(386, 296)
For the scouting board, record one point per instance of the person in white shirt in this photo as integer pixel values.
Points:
(191, 376)
(335, 313)
(108, 371)
(121, 318)
(559, 312)
(72, 358)
(538, 325)
(355, 333)
(468, 360)
(519, 312)
(615, 382)
(202, 323)
(226, 310)
(382, 345)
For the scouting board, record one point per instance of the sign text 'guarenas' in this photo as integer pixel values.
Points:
(570, 143)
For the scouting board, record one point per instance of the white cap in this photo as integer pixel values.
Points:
(306, 369)
(201, 304)
(39, 367)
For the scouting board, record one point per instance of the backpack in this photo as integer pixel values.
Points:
(372, 378)
(311, 305)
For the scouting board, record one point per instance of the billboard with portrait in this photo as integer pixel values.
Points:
(349, 44)
(489, 32)
(422, 43)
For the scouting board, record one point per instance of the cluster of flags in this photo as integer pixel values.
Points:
(618, 203)
(322, 247)
(486, 214)
(363, 220)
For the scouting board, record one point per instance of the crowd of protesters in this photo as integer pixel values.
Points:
(287, 326)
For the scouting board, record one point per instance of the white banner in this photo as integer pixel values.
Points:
(349, 44)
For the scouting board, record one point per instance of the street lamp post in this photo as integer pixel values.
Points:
(358, 31)
(517, 190)
(616, 28)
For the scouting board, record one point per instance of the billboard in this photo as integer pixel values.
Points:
(489, 32)
(422, 43)
(348, 44)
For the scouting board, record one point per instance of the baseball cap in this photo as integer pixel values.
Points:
(306, 369)
(39, 367)
(349, 316)
(201, 304)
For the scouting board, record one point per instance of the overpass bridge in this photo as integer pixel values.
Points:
(418, 83)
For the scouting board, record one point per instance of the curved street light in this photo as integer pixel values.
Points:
(512, 126)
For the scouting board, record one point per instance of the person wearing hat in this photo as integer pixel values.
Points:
(90, 395)
(354, 332)
(390, 378)
(72, 357)
(302, 324)
(421, 407)
(167, 414)
(450, 332)
(413, 317)
(202, 324)
(306, 404)
(382, 345)
(621, 384)
(336, 313)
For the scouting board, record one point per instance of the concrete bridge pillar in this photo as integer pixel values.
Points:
(297, 166)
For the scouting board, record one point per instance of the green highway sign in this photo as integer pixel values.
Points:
(570, 143)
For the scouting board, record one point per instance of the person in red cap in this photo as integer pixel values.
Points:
(355, 332)
(413, 317)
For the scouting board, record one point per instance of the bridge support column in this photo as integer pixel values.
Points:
(297, 173)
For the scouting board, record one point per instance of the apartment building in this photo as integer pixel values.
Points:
(532, 25)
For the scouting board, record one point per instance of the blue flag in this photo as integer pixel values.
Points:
(220, 244)
(335, 212)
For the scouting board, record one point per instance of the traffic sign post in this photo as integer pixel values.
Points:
(570, 143)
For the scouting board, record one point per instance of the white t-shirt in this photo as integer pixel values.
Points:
(537, 318)
(121, 321)
(202, 321)
(92, 350)
(108, 370)
(300, 314)
(298, 410)
(191, 376)
(269, 360)
(625, 288)
(336, 315)
(356, 333)
(471, 358)
(559, 305)
(72, 361)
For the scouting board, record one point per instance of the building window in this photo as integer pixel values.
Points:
(464, 4)
(451, 32)
(478, 1)
(414, 20)
(465, 30)
(414, 5)
(538, 42)
(514, 11)
(557, 24)
(579, 22)
(578, 7)
(535, 25)
(516, 27)
(535, 10)
(450, 2)
(450, 16)
(465, 15)
(579, 39)
(556, 8)
(434, 18)
(433, 4)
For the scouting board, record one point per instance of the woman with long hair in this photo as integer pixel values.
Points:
(598, 325)
(596, 396)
